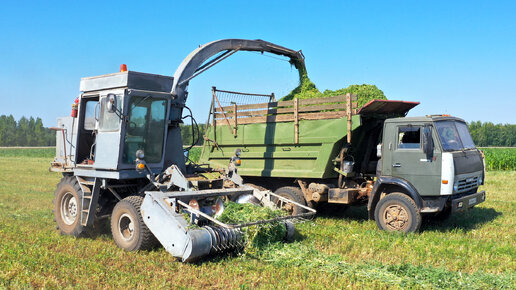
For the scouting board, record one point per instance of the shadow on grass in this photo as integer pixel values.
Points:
(101, 230)
(467, 220)
(329, 210)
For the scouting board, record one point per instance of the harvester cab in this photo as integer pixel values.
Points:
(121, 155)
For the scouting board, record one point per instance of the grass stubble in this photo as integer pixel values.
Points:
(340, 248)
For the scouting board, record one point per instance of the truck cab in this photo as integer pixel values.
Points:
(433, 160)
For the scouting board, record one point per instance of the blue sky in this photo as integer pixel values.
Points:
(455, 57)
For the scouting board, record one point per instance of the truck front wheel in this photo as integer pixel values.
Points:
(129, 231)
(397, 212)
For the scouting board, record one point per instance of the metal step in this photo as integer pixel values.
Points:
(86, 182)
(89, 199)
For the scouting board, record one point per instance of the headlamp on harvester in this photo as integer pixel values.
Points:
(140, 163)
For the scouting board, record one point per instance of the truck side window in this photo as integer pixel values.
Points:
(409, 137)
(89, 115)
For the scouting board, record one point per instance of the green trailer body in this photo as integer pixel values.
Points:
(268, 149)
(268, 143)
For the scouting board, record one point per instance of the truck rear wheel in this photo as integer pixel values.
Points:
(129, 231)
(68, 206)
(294, 194)
(397, 212)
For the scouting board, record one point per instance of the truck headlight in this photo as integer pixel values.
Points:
(140, 154)
(479, 181)
(455, 187)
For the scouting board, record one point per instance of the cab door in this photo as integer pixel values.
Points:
(410, 162)
(108, 136)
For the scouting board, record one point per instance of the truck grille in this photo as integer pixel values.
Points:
(467, 184)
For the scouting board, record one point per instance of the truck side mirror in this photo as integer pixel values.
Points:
(111, 103)
(428, 142)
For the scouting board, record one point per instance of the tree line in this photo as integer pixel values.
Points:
(489, 134)
(31, 132)
(25, 132)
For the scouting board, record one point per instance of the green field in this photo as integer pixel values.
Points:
(475, 249)
(500, 158)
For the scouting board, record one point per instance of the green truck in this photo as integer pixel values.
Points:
(327, 150)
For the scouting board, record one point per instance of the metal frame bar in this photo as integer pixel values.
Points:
(223, 113)
(310, 212)
(247, 94)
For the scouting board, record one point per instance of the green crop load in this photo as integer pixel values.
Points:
(308, 90)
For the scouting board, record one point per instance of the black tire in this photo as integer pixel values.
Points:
(397, 212)
(127, 227)
(68, 207)
(294, 194)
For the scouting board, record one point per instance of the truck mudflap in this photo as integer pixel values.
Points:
(468, 201)
(163, 212)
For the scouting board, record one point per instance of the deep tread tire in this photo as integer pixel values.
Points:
(292, 193)
(132, 237)
(67, 189)
(397, 203)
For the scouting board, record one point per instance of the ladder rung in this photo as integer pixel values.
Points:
(88, 182)
(85, 210)
(87, 196)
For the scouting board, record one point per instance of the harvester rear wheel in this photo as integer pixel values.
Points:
(127, 227)
(294, 194)
(397, 212)
(68, 206)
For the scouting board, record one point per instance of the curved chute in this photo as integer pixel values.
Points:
(194, 64)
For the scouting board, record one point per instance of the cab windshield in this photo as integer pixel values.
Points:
(145, 129)
(454, 135)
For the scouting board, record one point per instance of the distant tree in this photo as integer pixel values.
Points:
(9, 131)
(22, 132)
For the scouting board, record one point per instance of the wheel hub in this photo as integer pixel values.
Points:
(69, 208)
(396, 218)
(126, 227)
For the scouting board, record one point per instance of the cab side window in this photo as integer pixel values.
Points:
(89, 115)
(109, 121)
(409, 137)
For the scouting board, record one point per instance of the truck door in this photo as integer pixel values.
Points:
(408, 161)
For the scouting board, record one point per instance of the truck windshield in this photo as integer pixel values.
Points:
(454, 135)
(145, 129)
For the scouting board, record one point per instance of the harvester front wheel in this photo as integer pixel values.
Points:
(129, 231)
(397, 212)
(294, 194)
(68, 206)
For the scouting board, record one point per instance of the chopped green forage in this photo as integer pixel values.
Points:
(308, 90)
(257, 237)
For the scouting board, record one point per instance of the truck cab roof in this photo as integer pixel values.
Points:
(427, 118)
